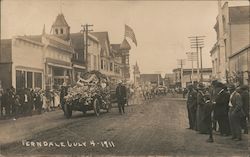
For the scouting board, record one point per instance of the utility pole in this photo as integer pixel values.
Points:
(86, 30)
(197, 42)
(192, 56)
(201, 64)
(181, 62)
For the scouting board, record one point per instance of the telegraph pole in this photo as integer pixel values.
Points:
(181, 62)
(197, 42)
(192, 56)
(201, 64)
(86, 30)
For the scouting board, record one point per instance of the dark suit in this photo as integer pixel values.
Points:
(245, 102)
(121, 95)
(235, 114)
(191, 107)
(38, 102)
(64, 92)
(202, 113)
(221, 109)
(9, 102)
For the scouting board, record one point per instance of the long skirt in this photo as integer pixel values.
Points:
(201, 120)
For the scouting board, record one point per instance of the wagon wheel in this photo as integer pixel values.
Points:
(67, 110)
(96, 106)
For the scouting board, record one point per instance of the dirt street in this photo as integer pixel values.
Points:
(157, 127)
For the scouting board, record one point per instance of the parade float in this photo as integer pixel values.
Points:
(91, 92)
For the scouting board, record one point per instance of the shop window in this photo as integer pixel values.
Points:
(20, 79)
(29, 80)
(58, 72)
(38, 80)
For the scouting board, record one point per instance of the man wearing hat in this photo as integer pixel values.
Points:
(63, 93)
(121, 95)
(212, 122)
(244, 92)
(191, 106)
(235, 113)
(221, 108)
(202, 114)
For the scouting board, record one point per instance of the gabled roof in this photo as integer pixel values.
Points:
(125, 45)
(60, 21)
(239, 14)
(103, 38)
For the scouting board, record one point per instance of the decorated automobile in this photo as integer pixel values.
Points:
(91, 92)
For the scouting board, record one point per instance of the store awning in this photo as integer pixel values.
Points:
(79, 66)
(60, 66)
(58, 63)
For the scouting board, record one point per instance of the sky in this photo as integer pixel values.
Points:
(161, 28)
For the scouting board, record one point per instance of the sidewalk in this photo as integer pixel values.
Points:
(11, 130)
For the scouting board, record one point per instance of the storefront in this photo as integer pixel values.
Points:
(28, 78)
(57, 73)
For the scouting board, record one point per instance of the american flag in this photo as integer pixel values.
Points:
(130, 34)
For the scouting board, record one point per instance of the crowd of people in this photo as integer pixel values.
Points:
(220, 107)
(26, 102)
(146, 92)
(127, 94)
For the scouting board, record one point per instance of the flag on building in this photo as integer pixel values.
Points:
(130, 34)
